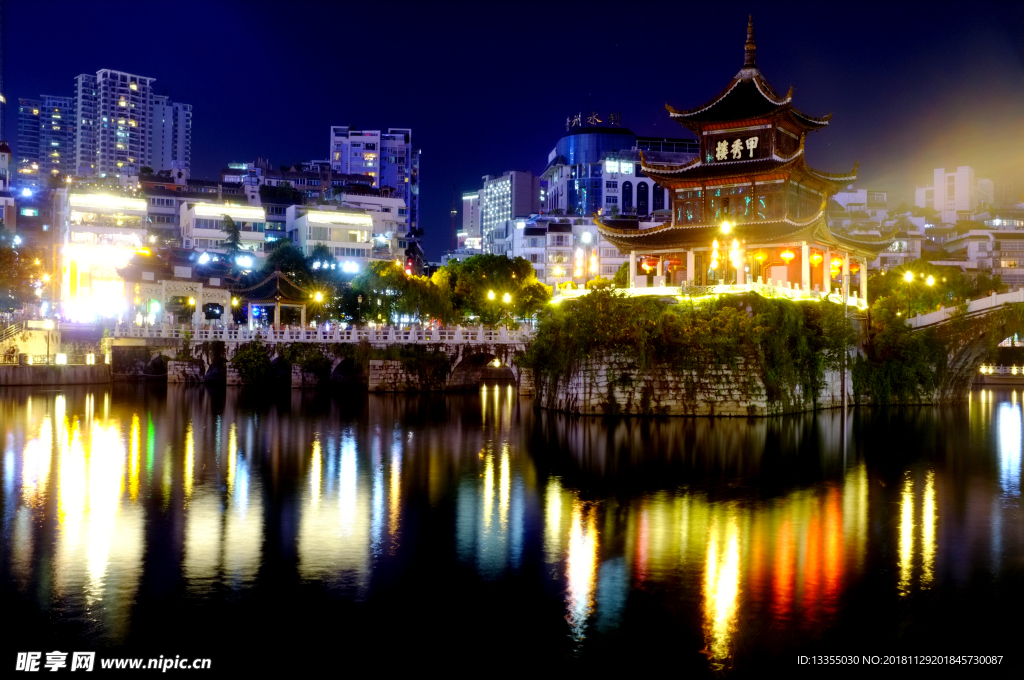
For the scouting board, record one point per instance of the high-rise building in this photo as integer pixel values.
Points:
(122, 126)
(3, 66)
(388, 157)
(170, 125)
(46, 138)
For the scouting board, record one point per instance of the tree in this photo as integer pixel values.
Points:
(289, 260)
(477, 287)
(16, 272)
(621, 278)
(233, 243)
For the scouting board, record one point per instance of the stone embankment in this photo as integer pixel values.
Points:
(615, 386)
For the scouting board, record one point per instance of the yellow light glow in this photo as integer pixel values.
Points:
(490, 295)
(507, 298)
(721, 588)
(245, 213)
(908, 277)
(234, 302)
(106, 202)
(558, 272)
(928, 516)
(319, 297)
(816, 259)
(338, 217)
(787, 255)
(726, 227)
(930, 281)
(906, 546)
(192, 302)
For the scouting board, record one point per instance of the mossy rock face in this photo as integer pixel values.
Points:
(788, 346)
(157, 365)
(217, 372)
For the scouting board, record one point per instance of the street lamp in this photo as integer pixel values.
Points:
(909, 276)
(490, 295)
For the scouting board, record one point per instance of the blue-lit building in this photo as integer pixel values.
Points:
(596, 170)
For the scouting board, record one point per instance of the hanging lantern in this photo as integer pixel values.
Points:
(854, 267)
(816, 259)
(787, 255)
(760, 256)
(837, 262)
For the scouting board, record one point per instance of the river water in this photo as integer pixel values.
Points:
(298, 532)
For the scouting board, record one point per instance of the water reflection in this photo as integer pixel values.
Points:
(723, 531)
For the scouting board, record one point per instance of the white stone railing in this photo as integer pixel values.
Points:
(974, 307)
(770, 289)
(381, 335)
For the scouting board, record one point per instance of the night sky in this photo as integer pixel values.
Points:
(486, 87)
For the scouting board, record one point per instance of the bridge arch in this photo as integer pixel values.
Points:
(471, 369)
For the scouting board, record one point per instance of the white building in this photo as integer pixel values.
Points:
(469, 237)
(96, 233)
(202, 225)
(956, 195)
(864, 204)
(516, 194)
(559, 248)
(345, 232)
(171, 128)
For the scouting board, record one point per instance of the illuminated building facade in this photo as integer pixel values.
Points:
(7, 205)
(122, 126)
(97, 233)
(515, 194)
(389, 157)
(470, 234)
(751, 193)
(560, 248)
(202, 226)
(345, 232)
(46, 138)
(597, 170)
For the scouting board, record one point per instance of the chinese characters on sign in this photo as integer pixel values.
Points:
(55, 660)
(593, 119)
(723, 150)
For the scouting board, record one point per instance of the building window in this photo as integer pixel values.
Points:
(643, 206)
(611, 200)
(627, 195)
(611, 185)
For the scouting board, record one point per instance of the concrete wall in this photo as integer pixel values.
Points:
(615, 386)
(54, 375)
(32, 342)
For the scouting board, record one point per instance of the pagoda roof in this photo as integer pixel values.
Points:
(276, 287)
(748, 95)
(753, 234)
(698, 172)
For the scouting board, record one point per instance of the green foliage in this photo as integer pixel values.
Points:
(950, 288)
(790, 344)
(389, 293)
(287, 259)
(468, 286)
(252, 361)
(233, 243)
(621, 278)
(17, 269)
(280, 194)
(598, 283)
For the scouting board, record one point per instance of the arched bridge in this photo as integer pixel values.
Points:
(970, 334)
(469, 350)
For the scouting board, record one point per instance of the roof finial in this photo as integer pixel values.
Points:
(750, 47)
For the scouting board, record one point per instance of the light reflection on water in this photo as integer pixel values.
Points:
(737, 526)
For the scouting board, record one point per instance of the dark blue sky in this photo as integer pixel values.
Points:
(486, 87)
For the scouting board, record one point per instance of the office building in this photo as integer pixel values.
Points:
(516, 193)
(597, 170)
